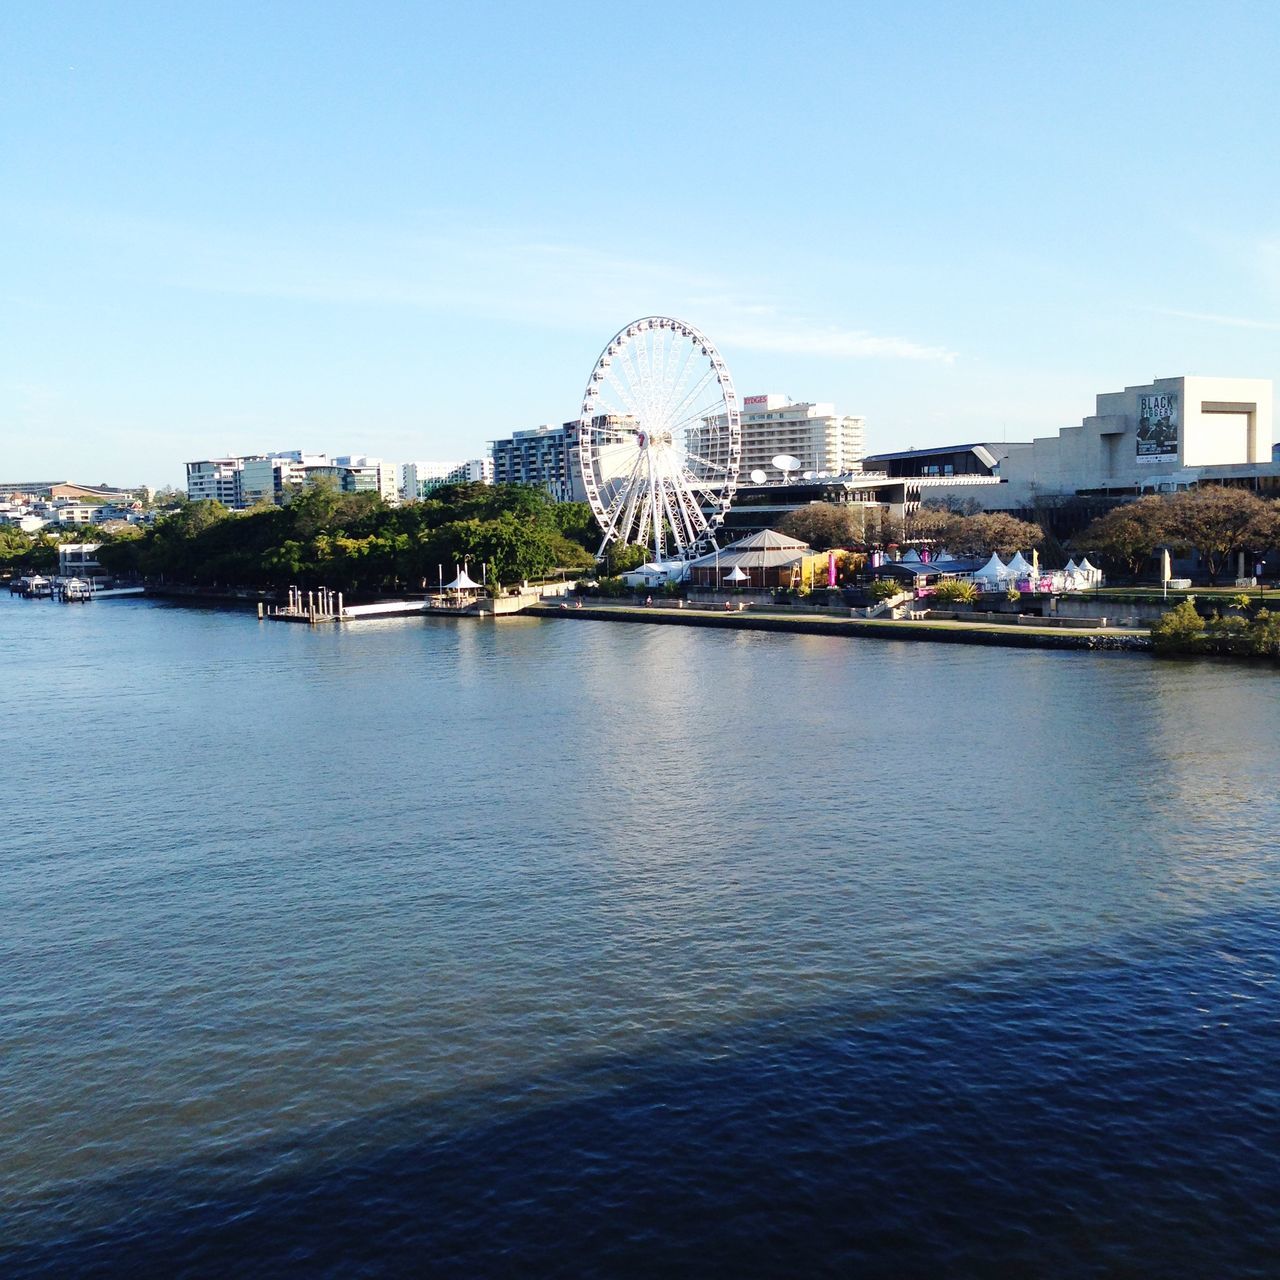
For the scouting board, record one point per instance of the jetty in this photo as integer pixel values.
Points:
(321, 605)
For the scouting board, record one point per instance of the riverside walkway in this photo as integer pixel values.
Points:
(1020, 635)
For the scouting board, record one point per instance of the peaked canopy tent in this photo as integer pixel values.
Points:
(1019, 566)
(995, 570)
(462, 582)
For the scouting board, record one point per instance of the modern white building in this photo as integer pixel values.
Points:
(215, 480)
(417, 479)
(814, 433)
(1156, 437)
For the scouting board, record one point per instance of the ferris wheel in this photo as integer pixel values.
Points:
(660, 440)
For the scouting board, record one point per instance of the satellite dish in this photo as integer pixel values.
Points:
(786, 462)
(808, 475)
(824, 475)
(758, 476)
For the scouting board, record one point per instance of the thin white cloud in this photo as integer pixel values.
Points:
(840, 344)
(478, 271)
(1208, 317)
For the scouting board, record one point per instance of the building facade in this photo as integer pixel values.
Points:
(417, 479)
(544, 456)
(270, 477)
(815, 434)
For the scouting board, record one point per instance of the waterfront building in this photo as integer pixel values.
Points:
(1155, 437)
(79, 560)
(765, 560)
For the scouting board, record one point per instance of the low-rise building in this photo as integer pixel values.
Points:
(79, 560)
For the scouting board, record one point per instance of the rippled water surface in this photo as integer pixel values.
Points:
(578, 948)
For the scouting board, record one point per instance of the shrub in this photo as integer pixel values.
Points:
(885, 589)
(1179, 631)
(954, 591)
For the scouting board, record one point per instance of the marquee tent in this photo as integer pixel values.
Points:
(995, 570)
(1019, 566)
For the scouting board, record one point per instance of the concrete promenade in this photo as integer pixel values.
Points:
(1025, 636)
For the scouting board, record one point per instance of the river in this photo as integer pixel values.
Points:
(569, 948)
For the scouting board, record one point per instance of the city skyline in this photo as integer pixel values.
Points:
(411, 234)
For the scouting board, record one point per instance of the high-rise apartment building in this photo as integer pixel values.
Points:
(541, 456)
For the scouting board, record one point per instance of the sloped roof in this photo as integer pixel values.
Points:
(767, 549)
(767, 540)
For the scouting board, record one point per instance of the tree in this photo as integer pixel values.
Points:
(1217, 521)
(993, 531)
(823, 525)
(1128, 535)
(622, 557)
(168, 496)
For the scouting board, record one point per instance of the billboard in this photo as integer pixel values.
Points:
(754, 402)
(1157, 428)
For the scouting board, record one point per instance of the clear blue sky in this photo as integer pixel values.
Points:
(404, 229)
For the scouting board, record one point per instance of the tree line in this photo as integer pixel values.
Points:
(827, 526)
(1214, 521)
(356, 543)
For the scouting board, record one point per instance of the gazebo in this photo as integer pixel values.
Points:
(767, 559)
(463, 582)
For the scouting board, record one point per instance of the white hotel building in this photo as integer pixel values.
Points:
(821, 438)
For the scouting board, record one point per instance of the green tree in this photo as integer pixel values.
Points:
(1218, 522)
(1127, 536)
(825, 526)
(620, 558)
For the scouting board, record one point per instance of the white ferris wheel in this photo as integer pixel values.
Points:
(660, 440)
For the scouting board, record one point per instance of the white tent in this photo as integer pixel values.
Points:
(1018, 567)
(462, 583)
(737, 575)
(1086, 570)
(993, 571)
(1071, 567)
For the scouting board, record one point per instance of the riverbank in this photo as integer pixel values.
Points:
(943, 632)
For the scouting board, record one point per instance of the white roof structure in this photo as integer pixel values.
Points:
(767, 549)
(1019, 566)
(1071, 566)
(995, 568)
(1087, 569)
(462, 583)
(736, 576)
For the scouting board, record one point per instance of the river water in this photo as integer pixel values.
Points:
(578, 948)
